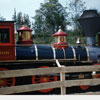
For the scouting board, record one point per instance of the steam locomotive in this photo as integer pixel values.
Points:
(25, 54)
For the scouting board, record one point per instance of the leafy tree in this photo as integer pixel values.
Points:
(21, 19)
(75, 9)
(49, 17)
(27, 20)
(14, 16)
(2, 18)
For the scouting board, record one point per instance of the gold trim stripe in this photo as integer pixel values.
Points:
(36, 52)
(64, 53)
(54, 52)
(74, 53)
(88, 56)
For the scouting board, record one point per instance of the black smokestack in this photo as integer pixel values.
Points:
(90, 23)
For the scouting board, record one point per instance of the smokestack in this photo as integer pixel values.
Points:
(90, 24)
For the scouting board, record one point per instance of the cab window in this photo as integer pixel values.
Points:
(4, 36)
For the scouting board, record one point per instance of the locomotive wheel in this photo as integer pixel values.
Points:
(44, 79)
(83, 87)
(97, 75)
(6, 82)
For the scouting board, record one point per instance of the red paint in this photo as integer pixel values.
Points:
(25, 42)
(44, 79)
(5, 82)
(84, 87)
(60, 33)
(60, 43)
(97, 75)
(24, 28)
(7, 53)
(62, 39)
(22, 40)
(7, 50)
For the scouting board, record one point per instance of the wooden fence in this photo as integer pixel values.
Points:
(62, 83)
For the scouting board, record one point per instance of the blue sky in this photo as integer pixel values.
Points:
(29, 6)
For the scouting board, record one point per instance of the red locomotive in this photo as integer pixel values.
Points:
(7, 41)
(24, 50)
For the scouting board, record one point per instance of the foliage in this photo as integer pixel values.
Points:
(21, 19)
(40, 39)
(2, 18)
(49, 17)
(72, 37)
(16, 38)
(52, 14)
(75, 9)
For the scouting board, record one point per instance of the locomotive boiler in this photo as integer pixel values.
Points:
(25, 50)
(90, 23)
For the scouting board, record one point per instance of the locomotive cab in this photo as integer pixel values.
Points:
(7, 42)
